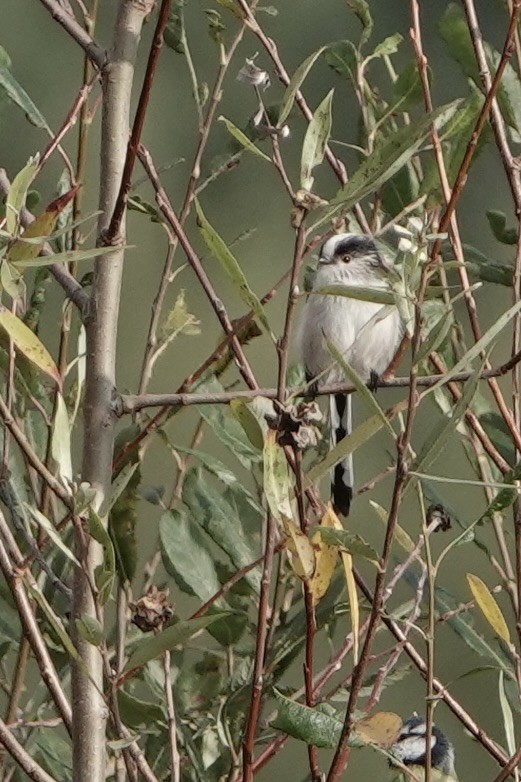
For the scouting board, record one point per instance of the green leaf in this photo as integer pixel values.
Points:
(226, 427)
(61, 440)
(136, 713)
(479, 346)
(313, 726)
(497, 221)
(219, 519)
(29, 345)
(407, 89)
(19, 96)
(178, 634)
(90, 629)
(315, 141)
(52, 532)
(71, 256)
(350, 541)
(374, 295)
(294, 85)
(387, 47)
(186, 556)
(349, 444)
(230, 265)
(508, 718)
(17, 194)
(387, 157)
(243, 139)
(105, 574)
(342, 57)
(361, 9)
(439, 435)
(277, 484)
(361, 387)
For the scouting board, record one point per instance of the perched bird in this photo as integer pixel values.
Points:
(410, 749)
(367, 334)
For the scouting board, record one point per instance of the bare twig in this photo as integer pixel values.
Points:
(26, 762)
(94, 52)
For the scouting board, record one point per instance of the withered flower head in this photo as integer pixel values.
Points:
(152, 610)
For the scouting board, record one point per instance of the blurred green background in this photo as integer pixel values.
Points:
(49, 65)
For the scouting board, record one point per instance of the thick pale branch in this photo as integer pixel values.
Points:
(33, 770)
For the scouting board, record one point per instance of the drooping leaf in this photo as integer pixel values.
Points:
(16, 196)
(294, 85)
(326, 558)
(29, 345)
(498, 221)
(488, 606)
(312, 726)
(218, 518)
(90, 629)
(61, 440)
(243, 139)
(387, 157)
(277, 484)
(19, 96)
(361, 9)
(69, 256)
(252, 423)
(300, 550)
(218, 248)
(52, 532)
(349, 541)
(186, 555)
(23, 251)
(136, 712)
(342, 57)
(104, 574)
(315, 141)
(407, 89)
(154, 646)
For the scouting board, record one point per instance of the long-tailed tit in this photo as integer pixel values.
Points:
(411, 749)
(365, 333)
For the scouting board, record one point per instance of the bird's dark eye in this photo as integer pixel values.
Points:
(345, 257)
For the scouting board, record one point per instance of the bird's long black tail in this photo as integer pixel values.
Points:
(342, 473)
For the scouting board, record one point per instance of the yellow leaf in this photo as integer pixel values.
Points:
(347, 561)
(381, 728)
(488, 606)
(326, 558)
(300, 550)
(43, 227)
(27, 343)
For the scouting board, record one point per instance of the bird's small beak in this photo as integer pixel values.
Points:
(325, 260)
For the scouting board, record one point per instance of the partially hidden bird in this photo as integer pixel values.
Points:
(410, 749)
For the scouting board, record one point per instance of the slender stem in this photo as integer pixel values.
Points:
(94, 52)
(175, 759)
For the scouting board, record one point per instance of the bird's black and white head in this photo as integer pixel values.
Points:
(411, 747)
(349, 257)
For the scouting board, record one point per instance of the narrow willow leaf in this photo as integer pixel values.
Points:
(277, 484)
(151, 647)
(508, 717)
(350, 443)
(243, 139)
(300, 550)
(90, 629)
(326, 558)
(41, 228)
(375, 295)
(498, 222)
(347, 562)
(346, 540)
(312, 726)
(479, 346)
(367, 395)
(439, 435)
(488, 606)
(230, 265)
(362, 10)
(11, 281)
(29, 345)
(407, 89)
(245, 415)
(220, 519)
(61, 440)
(342, 57)
(71, 256)
(52, 532)
(388, 157)
(16, 196)
(186, 555)
(315, 141)
(104, 574)
(400, 535)
(19, 96)
(295, 83)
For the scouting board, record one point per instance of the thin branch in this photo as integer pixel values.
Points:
(26, 762)
(94, 52)
(130, 403)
